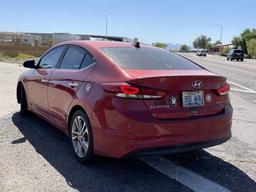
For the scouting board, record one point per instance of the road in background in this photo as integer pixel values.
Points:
(34, 156)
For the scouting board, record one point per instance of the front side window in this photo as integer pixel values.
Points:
(146, 58)
(51, 59)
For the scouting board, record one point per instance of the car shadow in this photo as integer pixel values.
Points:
(128, 174)
(106, 174)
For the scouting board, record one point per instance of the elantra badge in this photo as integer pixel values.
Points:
(197, 84)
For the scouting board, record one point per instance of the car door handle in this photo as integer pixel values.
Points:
(44, 80)
(73, 84)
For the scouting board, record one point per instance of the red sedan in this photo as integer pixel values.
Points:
(117, 99)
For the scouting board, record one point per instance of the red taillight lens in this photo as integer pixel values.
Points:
(129, 89)
(125, 90)
(224, 90)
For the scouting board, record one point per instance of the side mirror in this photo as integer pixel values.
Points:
(30, 64)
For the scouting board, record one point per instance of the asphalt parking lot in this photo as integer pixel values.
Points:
(34, 156)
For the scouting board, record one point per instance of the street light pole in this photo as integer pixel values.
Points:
(220, 31)
(106, 18)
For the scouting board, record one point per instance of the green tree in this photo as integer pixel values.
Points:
(236, 42)
(201, 42)
(195, 44)
(251, 47)
(249, 34)
(184, 48)
(244, 38)
(208, 46)
(160, 45)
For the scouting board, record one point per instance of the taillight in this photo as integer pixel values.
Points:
(224, 90)
(129, 89)
(124, 90)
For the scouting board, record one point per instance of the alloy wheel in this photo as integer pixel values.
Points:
(80, 137)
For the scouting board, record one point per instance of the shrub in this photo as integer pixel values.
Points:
(225, 51)
(23, 56)
(3, 56)
(160, 45)
(184, 48)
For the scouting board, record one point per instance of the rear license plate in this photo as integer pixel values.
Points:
(193, 98)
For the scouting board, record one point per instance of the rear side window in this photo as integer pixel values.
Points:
(145, 58)
(88, 60)
(238, 51)
(73, 58)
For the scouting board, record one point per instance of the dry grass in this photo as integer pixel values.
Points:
(20, 58)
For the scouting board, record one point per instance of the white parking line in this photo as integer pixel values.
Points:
(244, 89)
(241, 90)
(184, 176)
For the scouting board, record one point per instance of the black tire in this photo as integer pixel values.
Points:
(242, 59)
(23, 102)
(88, 156)
(227, 58)
(231, 59)
(237, 59)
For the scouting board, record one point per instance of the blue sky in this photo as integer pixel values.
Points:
(159, 20)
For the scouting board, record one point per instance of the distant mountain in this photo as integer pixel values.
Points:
(173, 46)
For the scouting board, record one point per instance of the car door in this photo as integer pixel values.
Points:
(65, 81)
(37, 84)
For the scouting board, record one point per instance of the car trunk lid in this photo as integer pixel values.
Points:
(183, 98)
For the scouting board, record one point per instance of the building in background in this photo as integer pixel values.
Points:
(62, 37)
(7, 38)
(220, 47)
(50, 39)
(13, 43)
(20, 39)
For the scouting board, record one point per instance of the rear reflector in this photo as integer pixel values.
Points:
(224, 90)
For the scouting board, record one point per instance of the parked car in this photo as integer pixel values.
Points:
(237, 54)
(118, 99)
(201, 52)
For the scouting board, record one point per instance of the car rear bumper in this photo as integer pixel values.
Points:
(180, 148)
(124, 136)
(201, 54)
(237, 57)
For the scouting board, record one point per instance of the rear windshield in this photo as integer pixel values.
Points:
(145, 58)
(238, 51)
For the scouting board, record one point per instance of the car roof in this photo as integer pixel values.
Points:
(100, 44)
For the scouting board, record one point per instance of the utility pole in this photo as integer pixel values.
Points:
(106, 19)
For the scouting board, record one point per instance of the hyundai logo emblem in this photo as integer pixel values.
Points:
(197, 84)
